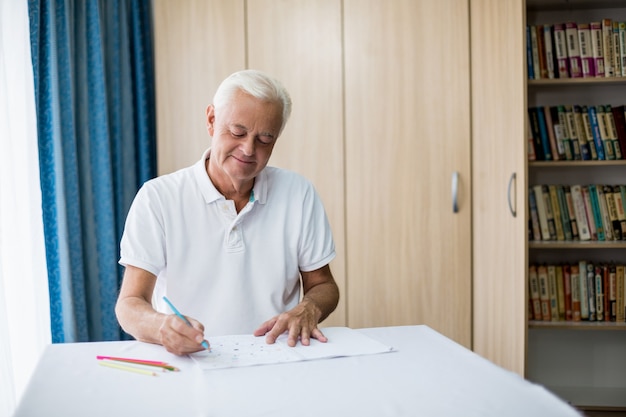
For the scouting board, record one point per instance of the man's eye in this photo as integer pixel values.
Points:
(239, 134)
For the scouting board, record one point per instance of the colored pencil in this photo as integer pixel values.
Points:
(183, 318)
(163, 365)
(126, 368)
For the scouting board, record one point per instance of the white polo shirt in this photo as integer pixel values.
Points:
(231, 271)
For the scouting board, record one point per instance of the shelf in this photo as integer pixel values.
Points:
(578, 163)
(592, 398)
(595, 244)
(590, 81)
(578, 325)
(566, 5)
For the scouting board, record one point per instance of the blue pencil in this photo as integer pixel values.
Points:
(169, 303)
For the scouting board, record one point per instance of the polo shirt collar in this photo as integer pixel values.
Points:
(211, 194)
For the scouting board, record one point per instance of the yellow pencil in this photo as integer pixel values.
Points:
(127, 368)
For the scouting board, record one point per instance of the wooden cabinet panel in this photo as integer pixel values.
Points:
(299, 42)
(407, 132)
(498, 152)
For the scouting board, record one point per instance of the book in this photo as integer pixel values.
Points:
(604, 213)
(617, 64)
(597, 214)
(595, 131)
(558, 132)
(553, 291)
(586, 55)
(581, 213)
(599, 293)
(615, 223)
(611, 129)
(570, 210)
(547, 205)
(620, 127)
(583, 140)
(549, 51)
(564, 133)
(597, 50)
(556, 212)
(607, 141)
(622, 46)
(564, 213)
(575, 290)
(572, 132)
(620, 314)
(541, 212)
(565, 272)
(535, 228)
(560, 292)
(606, 291)
(591, 291)
(584, 189)
(543, 67)
(543, 134)
(588, 133)
(612, 312)
(531, 141)
(534, 45)
(607, 46)
(529, 55)
(582, 284)
(621, 211)
(573, 50)
(533, 280)
(550, 124)
(544, 292)
(560, 46)
(534, 129)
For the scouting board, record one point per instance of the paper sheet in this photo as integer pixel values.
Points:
(248, 350)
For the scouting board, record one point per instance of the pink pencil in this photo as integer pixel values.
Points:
(139, 361)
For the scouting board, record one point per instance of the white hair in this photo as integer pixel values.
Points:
(257, 84)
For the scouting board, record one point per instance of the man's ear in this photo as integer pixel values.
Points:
(210, 119)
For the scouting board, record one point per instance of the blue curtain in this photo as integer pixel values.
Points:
(94, 89)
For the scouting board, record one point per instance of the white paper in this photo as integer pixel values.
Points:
(248, 350)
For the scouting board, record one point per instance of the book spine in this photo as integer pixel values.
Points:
(595, 131)
(582, 284)
(544, 292)
(588, 133)
(599, 289)
(547, 202)
(596, 48)
(533, 280)
(560, 44)
(583, 141)
(591, 291)
(541, 212)
(605, 215)
(620, 127)
(553, 291)
(532, 156)
(549, 51)
(579, 209)
(534, 44)
(606, 290)
(589, 212)
(617, 60)
(550, 123)
(571, 212)
(572, 132)
(543, 67)
(565, 215)
(607, 46)
(529, 55)
(620, 315)
(564, 133)
(564, 273)
(534, 125)
(556, 212)
(607, 142)
(595, 209)
(612, 292)
(573, 50)
(586, 56)
(621, 212)
(611, 129)
(575, 289)
(543, 131)
(622, 46)
(615, 224)
(534, 216)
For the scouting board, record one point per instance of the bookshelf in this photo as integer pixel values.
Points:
(581, 361)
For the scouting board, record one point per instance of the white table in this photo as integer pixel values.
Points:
(428, 375)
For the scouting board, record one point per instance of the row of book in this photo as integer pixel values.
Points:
(576, 132)
(577, 212)
(577, 291)
(576, 50)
